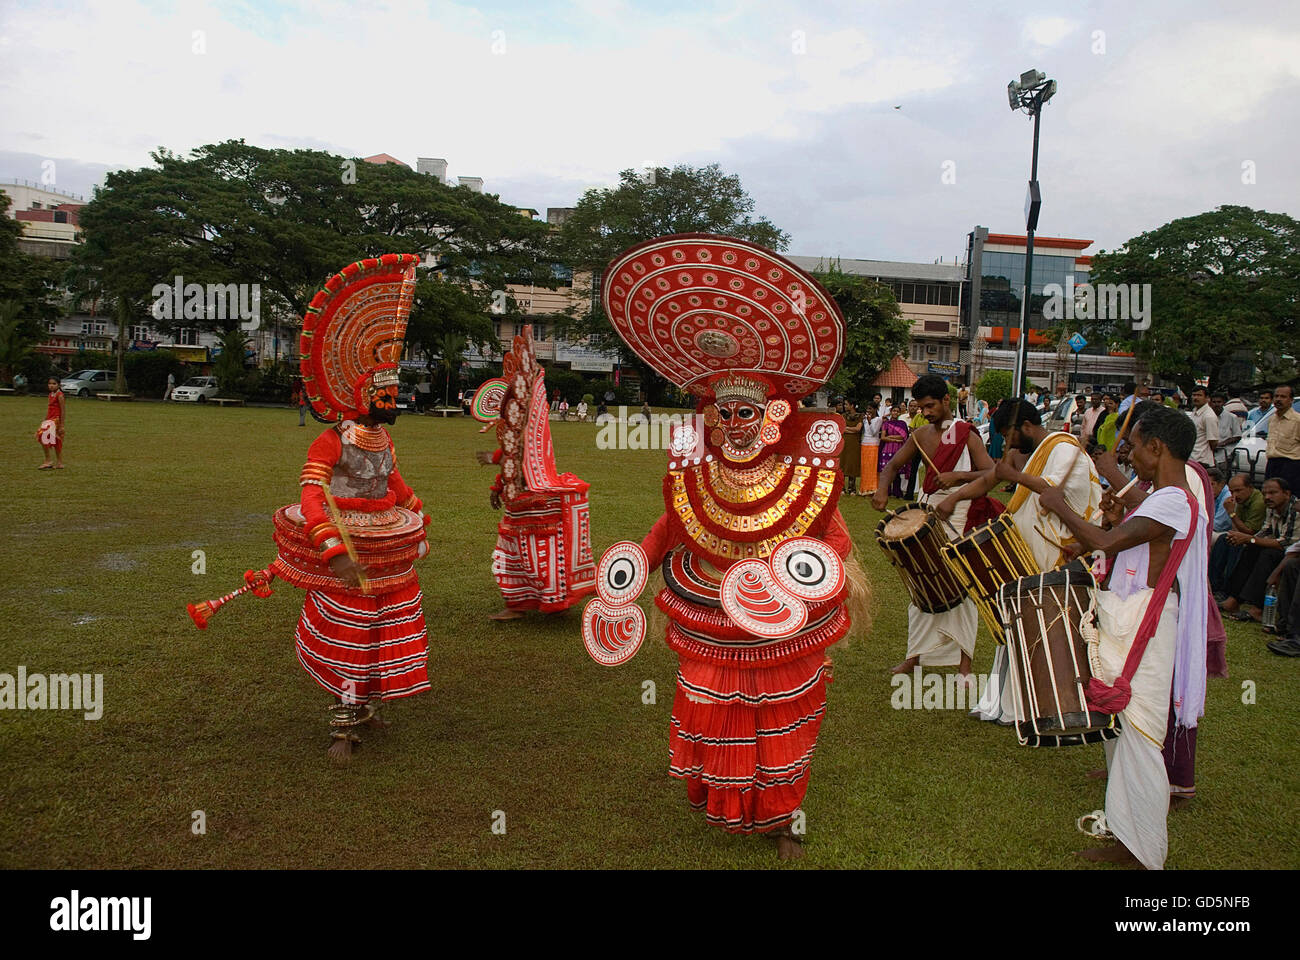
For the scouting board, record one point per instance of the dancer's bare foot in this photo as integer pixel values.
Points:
(1098, 774)
(506, 614)
(788, 846)
(376, 721)
(906, 666)
(340, 752)
(1115, 853)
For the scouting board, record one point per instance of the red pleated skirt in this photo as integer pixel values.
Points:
(743, 738)
(367, 647)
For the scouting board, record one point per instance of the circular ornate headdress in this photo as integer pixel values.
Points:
(697, 305)
(354, 326)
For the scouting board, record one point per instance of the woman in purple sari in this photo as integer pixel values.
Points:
(893, 434)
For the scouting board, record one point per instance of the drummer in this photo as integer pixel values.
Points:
(1172, 659)
(1055, 459)
(957, 455)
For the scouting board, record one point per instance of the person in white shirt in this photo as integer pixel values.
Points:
(1207, 428)
(1229, 429)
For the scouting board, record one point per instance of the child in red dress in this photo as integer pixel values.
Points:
(50, 433)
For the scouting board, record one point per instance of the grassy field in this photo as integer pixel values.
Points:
(96, 572)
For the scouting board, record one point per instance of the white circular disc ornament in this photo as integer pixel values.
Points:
(622, 573)
(756, 603)
(612, 633)
(808, 569)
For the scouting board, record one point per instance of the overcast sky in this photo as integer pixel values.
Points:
(840, 117)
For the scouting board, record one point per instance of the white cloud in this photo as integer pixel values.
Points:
(1048, 31)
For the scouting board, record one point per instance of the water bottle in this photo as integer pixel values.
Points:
(1270, 607)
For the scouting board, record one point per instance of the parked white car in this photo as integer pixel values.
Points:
(1251, 453)
(196, 390)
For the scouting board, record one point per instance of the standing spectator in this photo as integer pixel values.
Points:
(915, 418)
(171, 385)
(423, 390)
(851, 458)
(299, 398)
(555, 401)
(1229, 428)
(1256, 415)
(1261, 553)
(963, 403)
(50, 433)
(1207, 428)
(870, 452)
(893, 434)
(1284, 439)
(645, 410)
(1107, 427)
(1088, 423)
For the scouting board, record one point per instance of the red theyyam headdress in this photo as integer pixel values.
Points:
(352, 333)
(697, 306)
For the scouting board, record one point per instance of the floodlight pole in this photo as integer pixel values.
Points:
(1022, 338)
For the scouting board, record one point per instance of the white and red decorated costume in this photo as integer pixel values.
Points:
(748, 334)
(542, 559)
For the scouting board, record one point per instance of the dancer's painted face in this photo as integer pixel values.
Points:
(740, 422)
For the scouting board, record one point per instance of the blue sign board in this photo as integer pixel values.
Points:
(1077, 342)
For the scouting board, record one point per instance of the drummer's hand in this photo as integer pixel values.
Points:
(483, 457)
(1072, 551)
(1053, 499)
(1107, 462)
(347, 570)
(1111, 508)
(947, 480)
(945, 507)
(880, 498)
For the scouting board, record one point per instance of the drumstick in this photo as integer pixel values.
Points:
(1127, 487)
(347, 541)
(1123, 431)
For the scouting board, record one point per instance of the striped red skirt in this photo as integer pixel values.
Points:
(367, 647)
(743, 738)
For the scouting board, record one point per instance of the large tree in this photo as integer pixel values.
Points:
(232, 213)
(643, 206)
(1222, 282)
(876, 330)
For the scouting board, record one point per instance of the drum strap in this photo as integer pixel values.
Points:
(1114, 698)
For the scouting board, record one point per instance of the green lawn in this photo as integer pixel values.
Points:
(97, 571)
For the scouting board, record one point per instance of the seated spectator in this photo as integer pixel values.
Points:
(1222, 521)
(1286, 577)
(1261, 553)
(1246, 510)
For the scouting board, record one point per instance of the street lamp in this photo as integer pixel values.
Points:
(1029, 93)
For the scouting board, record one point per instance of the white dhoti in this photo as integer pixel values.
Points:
(1137, 786)
(940, 639)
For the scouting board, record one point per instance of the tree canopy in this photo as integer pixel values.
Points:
(643, 206)
(1222, 282)
(287, 219)
(876, 330)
